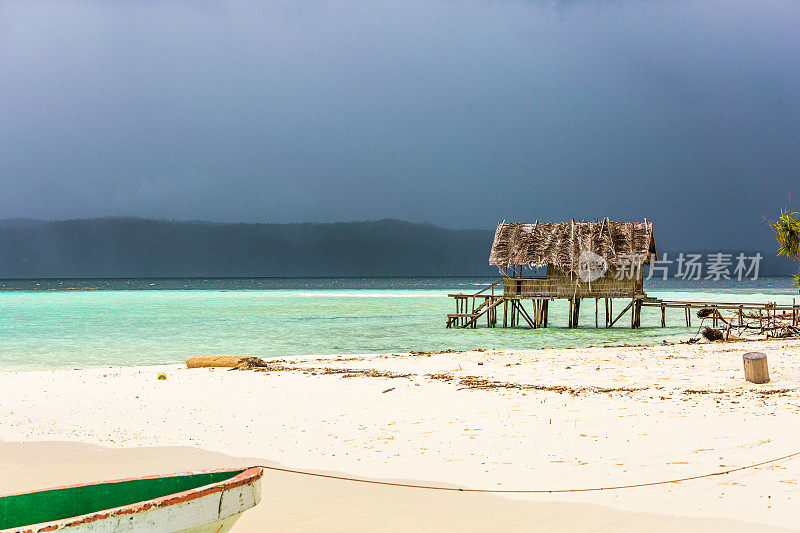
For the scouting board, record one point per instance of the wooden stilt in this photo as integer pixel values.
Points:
(546, 304)
(572, 313)
(596, 303)
(515, 313)
(663, 316)
(633, 313)
(541, 313)
(638, 313)
(569, 317)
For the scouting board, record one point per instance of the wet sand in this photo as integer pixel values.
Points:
(292, 502)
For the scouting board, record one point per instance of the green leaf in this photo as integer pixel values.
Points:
(787, 232)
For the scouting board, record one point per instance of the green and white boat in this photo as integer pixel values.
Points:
(198, 502)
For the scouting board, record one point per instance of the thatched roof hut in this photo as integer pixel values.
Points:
(560, 244)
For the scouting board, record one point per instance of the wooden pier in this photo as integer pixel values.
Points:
(601, 260)
(526, 301)
(739, 310)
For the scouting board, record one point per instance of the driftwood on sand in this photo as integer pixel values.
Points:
(225, 361)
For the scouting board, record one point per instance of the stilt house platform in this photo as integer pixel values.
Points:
(600, 260)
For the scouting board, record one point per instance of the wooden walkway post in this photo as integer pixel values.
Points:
(755, 367)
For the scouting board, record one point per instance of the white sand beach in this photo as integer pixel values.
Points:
(510, 420)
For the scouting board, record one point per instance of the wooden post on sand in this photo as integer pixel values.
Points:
(755, 367)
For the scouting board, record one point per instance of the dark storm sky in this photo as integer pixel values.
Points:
(456, 113)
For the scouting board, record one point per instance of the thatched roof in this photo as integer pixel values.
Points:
(560, 244)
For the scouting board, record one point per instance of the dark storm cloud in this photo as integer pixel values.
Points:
(456, 113)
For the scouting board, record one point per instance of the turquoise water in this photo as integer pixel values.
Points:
(84, 323)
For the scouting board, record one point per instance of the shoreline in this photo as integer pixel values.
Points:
(512, 419)
(344, 356)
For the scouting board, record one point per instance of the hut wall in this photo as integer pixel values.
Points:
(561, 283)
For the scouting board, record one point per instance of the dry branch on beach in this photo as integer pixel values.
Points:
(741, 325)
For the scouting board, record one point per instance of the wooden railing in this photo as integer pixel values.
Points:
(492, 286)
(558, 288)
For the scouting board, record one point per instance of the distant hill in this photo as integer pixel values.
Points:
(135, 247)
